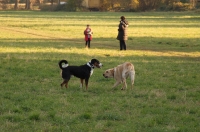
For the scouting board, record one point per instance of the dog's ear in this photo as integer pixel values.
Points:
(112, 71)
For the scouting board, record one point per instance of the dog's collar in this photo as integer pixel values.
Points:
(90, 65)
(65, 65)
(92, 68)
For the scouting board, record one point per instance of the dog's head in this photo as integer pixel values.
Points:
(96, 63)
(109, 73)
(63, 64)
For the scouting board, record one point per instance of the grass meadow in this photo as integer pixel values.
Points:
(163, 46)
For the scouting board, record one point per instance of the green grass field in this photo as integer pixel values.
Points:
(164, 48)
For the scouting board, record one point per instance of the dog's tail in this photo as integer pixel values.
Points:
(61, 65)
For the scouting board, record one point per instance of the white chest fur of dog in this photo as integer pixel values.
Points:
(120, 73)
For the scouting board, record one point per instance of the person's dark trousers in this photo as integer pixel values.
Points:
(87, 43)
(122, 45)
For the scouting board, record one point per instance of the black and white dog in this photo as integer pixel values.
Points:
(83, 72)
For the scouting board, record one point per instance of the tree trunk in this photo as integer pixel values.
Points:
(193, 2)
(27, 5)
(16, 4)
(51, 2)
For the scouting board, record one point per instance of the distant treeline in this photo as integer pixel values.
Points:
(104, 5)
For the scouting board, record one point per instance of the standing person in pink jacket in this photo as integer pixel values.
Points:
(88, 36)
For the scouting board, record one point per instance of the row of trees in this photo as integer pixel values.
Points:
(145, 5)
(8, 4)
(105, 5)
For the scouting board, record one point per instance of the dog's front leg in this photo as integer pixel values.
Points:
(117, 83)
(81, 85)
(86, 83)
(65, 82)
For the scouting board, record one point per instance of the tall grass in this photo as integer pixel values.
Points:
(164, 47)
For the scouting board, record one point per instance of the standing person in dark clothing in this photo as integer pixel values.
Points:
(122, 32)
(88, 36)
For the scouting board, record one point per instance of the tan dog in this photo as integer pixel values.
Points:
(121, 73)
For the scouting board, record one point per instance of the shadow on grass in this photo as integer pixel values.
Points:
(134, 43)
